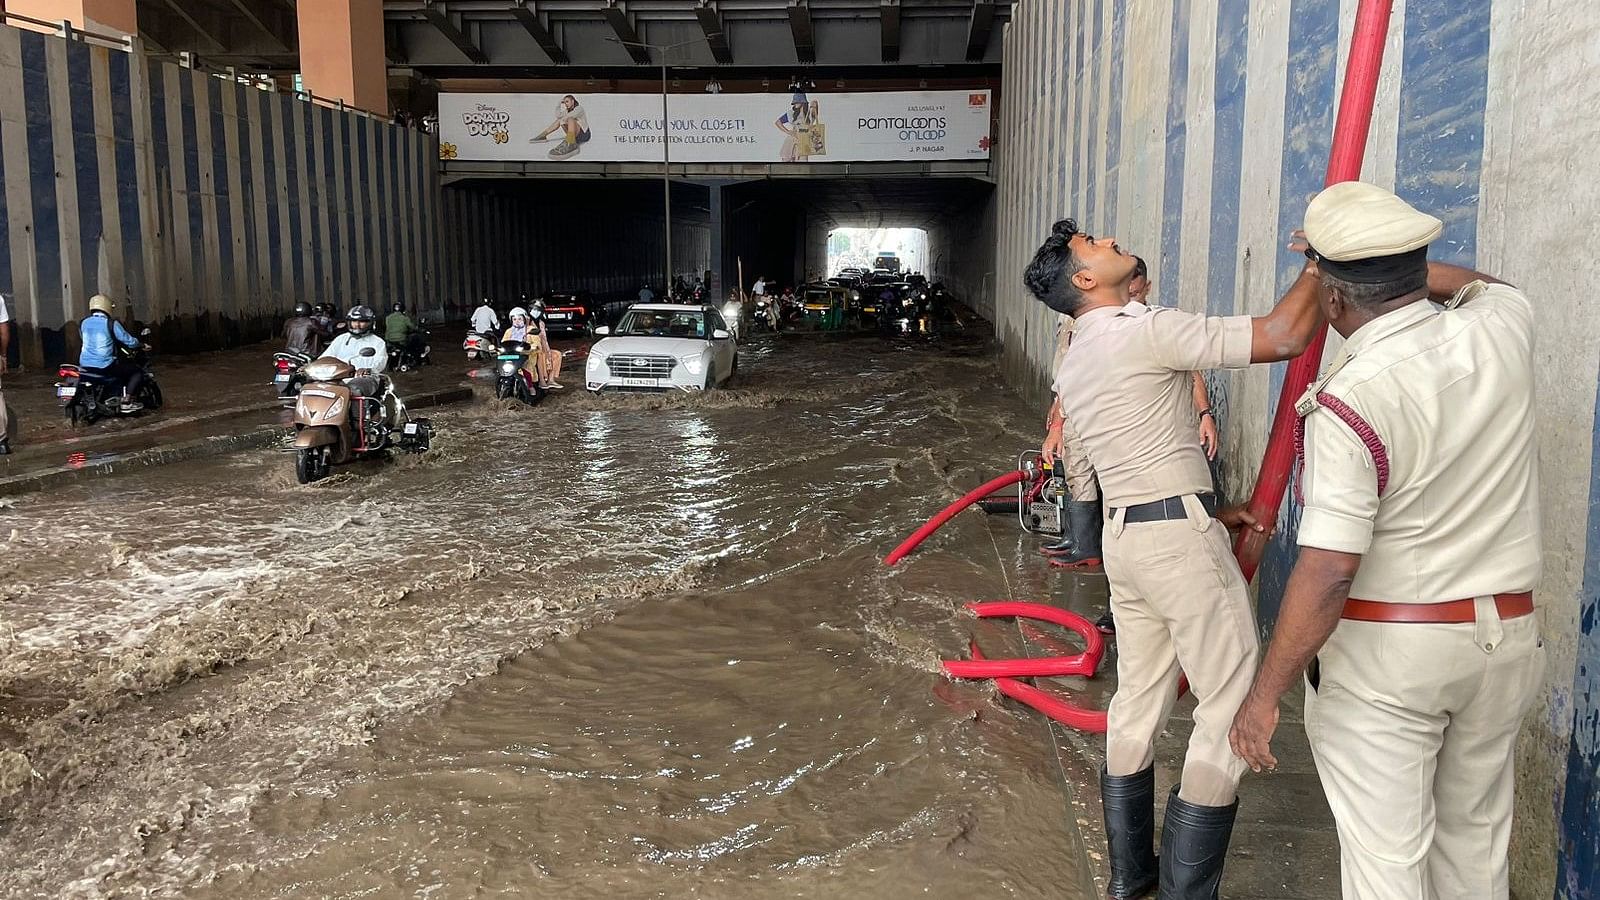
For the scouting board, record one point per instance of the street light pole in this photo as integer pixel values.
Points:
(666, 170)
(666, 146)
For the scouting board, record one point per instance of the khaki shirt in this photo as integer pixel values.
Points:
(1126, 387)
(1450, 394)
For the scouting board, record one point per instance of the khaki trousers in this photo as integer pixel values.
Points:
(1077, 470)
(1180, 602)
(1414, 731)
(5, 418)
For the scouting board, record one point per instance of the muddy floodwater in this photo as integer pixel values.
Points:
(610, 647)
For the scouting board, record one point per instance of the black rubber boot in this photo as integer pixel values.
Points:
(1086, 521)
(1106, 624)
(1130, 805)
(1062, 547)
(1194, 845)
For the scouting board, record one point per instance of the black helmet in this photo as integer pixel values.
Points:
(361, 319)
(397, 306)
(302, 308)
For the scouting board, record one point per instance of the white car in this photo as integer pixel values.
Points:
(663, 347)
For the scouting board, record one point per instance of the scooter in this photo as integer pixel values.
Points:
(405, 359)
(286, 374)
(511, 379)
(763, 319)
(340, 417)
(479, 346)
(86, 396)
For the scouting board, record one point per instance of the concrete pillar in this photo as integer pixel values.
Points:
(103, 16)
(718, 249)
(341, 52)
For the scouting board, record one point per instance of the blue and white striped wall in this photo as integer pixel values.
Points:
(1196, 130)
(205, 207)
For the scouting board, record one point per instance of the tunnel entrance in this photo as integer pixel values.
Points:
(902, 249)
(507, 236)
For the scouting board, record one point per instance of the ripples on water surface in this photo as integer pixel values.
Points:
(701, 681)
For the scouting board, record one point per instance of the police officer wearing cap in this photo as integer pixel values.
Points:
(1410, 610)
(1179, 598)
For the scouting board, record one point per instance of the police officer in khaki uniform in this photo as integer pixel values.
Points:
(1179, 598)
(1410, 608)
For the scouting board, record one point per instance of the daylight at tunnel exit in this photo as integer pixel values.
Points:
(725, 449)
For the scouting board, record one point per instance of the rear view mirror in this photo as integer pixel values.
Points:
(603, 330)
(369, 351)
(720, 334)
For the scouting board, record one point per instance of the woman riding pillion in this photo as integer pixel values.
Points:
(524, 330)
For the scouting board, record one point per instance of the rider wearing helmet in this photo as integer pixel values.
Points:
(359, 337)
(100, 335)
(402, 332)
(524, 328)
(552, 356)
(304, 332)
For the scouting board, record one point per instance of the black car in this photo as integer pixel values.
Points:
(572, 312)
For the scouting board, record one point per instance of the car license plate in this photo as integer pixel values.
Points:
(281, 378)
(640, 382)
(65, 391)
(411, 428)
(561, 316)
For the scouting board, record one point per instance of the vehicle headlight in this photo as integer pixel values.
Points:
(596, 361)
(696, 364)
(508, 368)
(855, 295)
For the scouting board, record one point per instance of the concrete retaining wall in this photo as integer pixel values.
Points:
(1195, 131)
(204, 206)
(503, 240)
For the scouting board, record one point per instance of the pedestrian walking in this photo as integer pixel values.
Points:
(1409, 611)
(1177, 593)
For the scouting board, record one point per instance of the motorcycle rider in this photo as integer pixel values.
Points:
(370, 380)
(402, 331)
(304, 332)
(100, 335)
(552, 356)
(522, 329)
(485, 320)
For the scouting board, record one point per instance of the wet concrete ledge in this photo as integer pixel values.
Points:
(256, 437)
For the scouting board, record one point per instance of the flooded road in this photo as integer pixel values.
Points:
(610, 647)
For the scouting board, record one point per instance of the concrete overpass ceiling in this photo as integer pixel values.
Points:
(753, 33)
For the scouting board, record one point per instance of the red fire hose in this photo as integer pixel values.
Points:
(1085, 663)
(1344, 164)
(934, 524)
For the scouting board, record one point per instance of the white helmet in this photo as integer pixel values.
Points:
(519, 311)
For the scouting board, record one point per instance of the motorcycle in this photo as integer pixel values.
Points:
(286, 374)
(763, 319)
(405, 359)
(479, 346)
(511, 379)
(340, 417)
(87, 396)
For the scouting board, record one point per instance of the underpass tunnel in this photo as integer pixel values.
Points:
(506, 237)
(779, 228)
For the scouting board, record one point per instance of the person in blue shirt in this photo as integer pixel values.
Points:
(101, 335)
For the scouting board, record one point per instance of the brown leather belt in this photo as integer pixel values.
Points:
(1510, 606)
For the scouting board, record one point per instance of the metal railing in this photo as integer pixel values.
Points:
(132, 44)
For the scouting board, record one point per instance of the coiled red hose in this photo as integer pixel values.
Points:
(1085, 663)
(949, 512)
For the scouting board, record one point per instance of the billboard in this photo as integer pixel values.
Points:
(716, 128)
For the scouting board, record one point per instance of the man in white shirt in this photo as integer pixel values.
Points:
(5, 347)
(484, 319)
(760, 287)
(358, 337)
